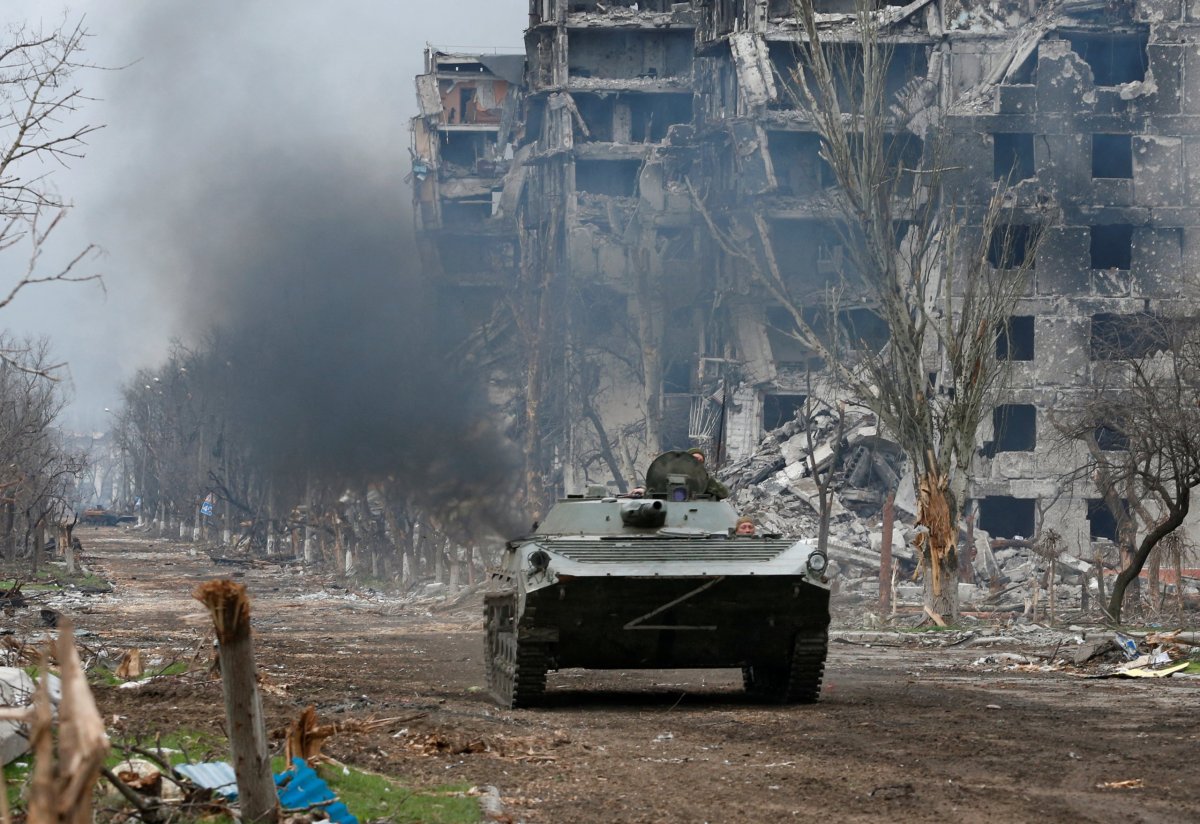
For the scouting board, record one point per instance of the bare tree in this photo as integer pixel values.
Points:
(821, 467)
(941, 285)
(39, 131)
(1145, 406)
(37, 471)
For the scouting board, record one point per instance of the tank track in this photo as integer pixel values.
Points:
(799, 680)
(516, 667)
(808, 666)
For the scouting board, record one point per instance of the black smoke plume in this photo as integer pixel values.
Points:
(288, 230)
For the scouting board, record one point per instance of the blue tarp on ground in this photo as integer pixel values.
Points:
(300, 788)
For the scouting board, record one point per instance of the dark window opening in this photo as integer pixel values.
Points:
(1114, 58)
(1014, 340)
(651, 115)
(482, 255)
(1111, 439)
(805, 253)
(1112, 155)
(831, 256)
(1026, 73)
(1010, 246)
(601, 310)
(677, 376)
(461, 212)
(630, 118)
(616, 178)
(1015, 427)
(865, 329)
(798, 164)
(1112, 246)
(779, 409)
(906, 62)
(786, 348)
(596, 112)
(1012, 156)
(627, 55)
(1101, 522)
(464, 149)
(1005, 517)
(1115, 337)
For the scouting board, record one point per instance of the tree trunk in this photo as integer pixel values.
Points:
(455, 555)
(69, 550)
(1179, 580)
(1050, 587)
(1138, 560)
(39, 544)
(1152, 574)
(230, 609)
(10, 517)
(885, 556)
(937, 542)
(648, 310)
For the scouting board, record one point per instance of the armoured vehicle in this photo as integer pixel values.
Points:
(656, 582)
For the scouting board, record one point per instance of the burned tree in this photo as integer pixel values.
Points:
(1150, 376)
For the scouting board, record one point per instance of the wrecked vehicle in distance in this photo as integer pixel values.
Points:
(658, 582)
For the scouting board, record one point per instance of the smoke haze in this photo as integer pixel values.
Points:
(218, 106)
(263, 187)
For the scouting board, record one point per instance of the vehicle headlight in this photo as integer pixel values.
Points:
(539, 561)
(817, 562)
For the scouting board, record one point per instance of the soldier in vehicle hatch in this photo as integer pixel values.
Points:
(714, 487)
(745, 528)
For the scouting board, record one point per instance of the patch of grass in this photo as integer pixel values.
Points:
(1193, 667)
(15, 775)
(88, 581)
(179, 746)
(49, 580)
(104, 676)
(370, 796)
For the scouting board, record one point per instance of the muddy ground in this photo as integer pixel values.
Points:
(902, 732)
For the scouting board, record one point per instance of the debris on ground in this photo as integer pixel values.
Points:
(1102, 655)
(217, 776)
(1000, 577)
(16, 690)
(130, 668)
(67, 761)
(302, 790)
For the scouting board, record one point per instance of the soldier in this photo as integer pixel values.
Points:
(714, 487)
(744, 528)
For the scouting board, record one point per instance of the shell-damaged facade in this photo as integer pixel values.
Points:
(557, 202)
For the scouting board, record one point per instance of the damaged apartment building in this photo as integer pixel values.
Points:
(558, 201)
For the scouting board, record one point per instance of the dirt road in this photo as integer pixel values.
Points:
(901, 733)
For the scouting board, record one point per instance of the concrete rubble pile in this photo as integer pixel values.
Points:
(775, 487)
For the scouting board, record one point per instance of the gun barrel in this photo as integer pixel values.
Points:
(644, 514)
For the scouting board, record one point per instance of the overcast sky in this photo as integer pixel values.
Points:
(293, 79)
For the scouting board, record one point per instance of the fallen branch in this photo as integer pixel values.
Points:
(147, 809)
